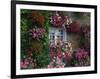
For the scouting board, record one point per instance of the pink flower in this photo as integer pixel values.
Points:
(26, 62)
(37, 33)
(58, 61)
(23, 65)
(81, 54)
(60, 55)
(57, 20)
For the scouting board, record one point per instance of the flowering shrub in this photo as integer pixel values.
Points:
(60, 21)
(66, 58)
(81, 58)
(85, 37)
(56, 63)
(28, 62)
(37, 33)
(56, 59)
(81, 55)
(34, 36)
(57, 20)
(60, 56)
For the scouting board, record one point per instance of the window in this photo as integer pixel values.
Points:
(57, 34)
(60, 36)
(52, 37)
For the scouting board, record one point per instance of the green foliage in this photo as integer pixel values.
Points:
(41, 55)
(81, 15)
(43, 58)
(24, 33)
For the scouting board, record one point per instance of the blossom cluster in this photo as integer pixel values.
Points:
(81, 54)
(57, 20)
(28, 61)
(59, 55)
(37, 33)
(65, 58)
(82, 57)
(60, 21)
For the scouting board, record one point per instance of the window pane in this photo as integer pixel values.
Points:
(52, 37)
